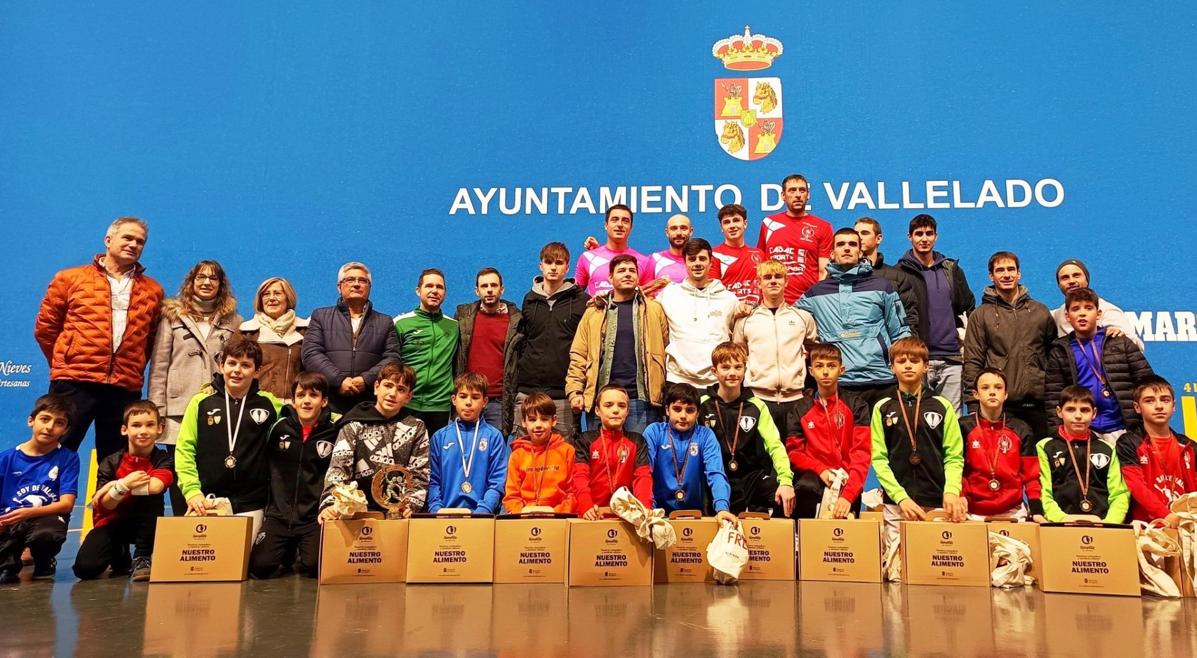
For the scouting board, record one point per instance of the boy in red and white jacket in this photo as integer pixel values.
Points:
(1000, 462)
(828, 433)
(609, 458)
(1158, 465)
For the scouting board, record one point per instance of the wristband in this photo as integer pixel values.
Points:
(119, 490)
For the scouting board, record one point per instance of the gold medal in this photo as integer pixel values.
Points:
(230, 462)
(466, 487)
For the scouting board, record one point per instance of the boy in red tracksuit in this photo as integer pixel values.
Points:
(1000, 461)
(609, 458)
(828, 433)
(1158, 464)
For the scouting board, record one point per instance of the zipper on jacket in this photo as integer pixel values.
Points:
(777, 350)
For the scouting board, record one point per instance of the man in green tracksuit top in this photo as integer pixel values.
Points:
(428, 344)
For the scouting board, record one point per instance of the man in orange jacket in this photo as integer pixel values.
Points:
(95, 327)
(540, 471)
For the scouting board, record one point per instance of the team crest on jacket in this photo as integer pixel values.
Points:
(594, 454)
(1099, 460)
(623, 454)
(747, 423)
(1004, 445)
(324, 449)
(482, 445)
(748, 110)
(284, 442)
(259, 416)
(933, 418)
(693, 449)
(891, 418)
(214, 417)
(53, 474)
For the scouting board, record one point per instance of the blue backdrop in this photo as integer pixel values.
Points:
(285, 139)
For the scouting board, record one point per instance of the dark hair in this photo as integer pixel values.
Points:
(620, 260)
(829, 351)
(1003, 255)
(619, 206)
(871, 222)
(1078, 295)
(55, 404)
(397, 370)
(226, 303)
(487, 270)
(923, 221)
(538, 405)
(847, 230)
(141, 407)
(241, 347)
(785, 181)
(311, 381)
(430, 270)
(471, 381)
(553, 251)
(695, 246)
(990, 370)
(1076, 393)
(681, 392)
(733, 209)
(1153, 383)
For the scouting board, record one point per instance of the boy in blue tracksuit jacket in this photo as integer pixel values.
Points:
(467, 457)
(685, 458)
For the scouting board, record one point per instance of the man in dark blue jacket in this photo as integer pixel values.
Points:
(350, 342)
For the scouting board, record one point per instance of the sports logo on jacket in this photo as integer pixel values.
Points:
(324, 449)
(748, 111)
(482, 445)
(284, 442)
(53, 474)
(259, 416)
(747, 423)
(891, 418)
(933, 418)
(214, 417)
(1005, 445)
(1099, 460)
(693, 449)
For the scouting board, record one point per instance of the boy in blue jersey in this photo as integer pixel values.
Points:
(39, 480)
(468, 457)
(685, 458)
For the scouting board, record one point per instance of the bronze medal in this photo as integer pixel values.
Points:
(679, 494)
(994, 485)
(915, 459)
(466, 487)
(230, 461)
(1086, 506)
(733, 466)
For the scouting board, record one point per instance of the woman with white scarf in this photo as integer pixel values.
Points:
(279, 332)
(191, 333)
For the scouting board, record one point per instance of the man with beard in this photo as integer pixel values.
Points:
(486, 330)
(594, 272)
(800, 240)
(427, 343)
(1072, 275)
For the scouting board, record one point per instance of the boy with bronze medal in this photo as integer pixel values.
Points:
(1079, 473)
(685, 457)
(999, 456)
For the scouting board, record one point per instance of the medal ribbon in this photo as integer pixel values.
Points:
(1077, 469)
(679, 473)
(997, 445)
(836, 432)
(1100, 374)
(228, 411)
(911, 433)
(735, 442)
(606, 455)
(466, 465)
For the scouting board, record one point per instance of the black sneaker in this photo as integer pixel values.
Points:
(141, 570)
(10, 576)
(45, 570)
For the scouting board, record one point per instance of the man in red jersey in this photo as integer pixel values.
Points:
(737, 261)
(801, 241)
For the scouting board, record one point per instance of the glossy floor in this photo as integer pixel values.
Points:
(294, 617)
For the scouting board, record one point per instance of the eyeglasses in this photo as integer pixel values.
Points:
(351, 280)
(207, 277)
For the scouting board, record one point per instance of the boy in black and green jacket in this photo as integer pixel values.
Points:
(918, 453)
(221, 448)
(1079, 472)
(298, 449)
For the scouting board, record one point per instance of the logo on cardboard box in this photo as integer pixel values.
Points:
(450, 531)
(201, 530)
(838, 534)
(1087, 539)
(612, 534)
(535, 531)
(687, 532)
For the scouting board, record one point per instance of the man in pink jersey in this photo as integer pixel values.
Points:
(669, 265)
(800, 240)
(737, 261)
(594, 272)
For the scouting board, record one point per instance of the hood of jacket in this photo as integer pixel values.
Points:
(555, 441)
(858, 271)
(219, 387)
(714, 287)
(991, 296)
(365, 412)
(173, 308)
(937, 260)
(567, 286)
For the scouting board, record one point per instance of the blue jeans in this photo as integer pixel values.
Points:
(641, 414)
(493, 413)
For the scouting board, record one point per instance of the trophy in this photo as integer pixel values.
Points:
(391, 488)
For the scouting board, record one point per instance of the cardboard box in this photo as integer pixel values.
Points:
(942, 553)
(1027, 532)
(531, 550)
(845, 550)
(608, 553)
(179, 617)
(451, 549)
(1089, 559)
(686, 561)
(346, 619)
(367, 549)
(879, 517)
(201, 549)
(770, 548)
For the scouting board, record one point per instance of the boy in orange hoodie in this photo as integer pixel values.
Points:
(540, 471)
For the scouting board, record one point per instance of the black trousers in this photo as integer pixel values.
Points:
(780, 411)
(1032, 413)
(753, 492)
(104, 545)
(808, 495)
(870, 393)
(178, 504)
(278, 546)
(44, 536)
(102, 403)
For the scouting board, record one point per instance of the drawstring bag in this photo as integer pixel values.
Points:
(1186, 507)
(728, 552)
(1154, 547)
(1012, 558)
(216, 506)
(831, 494)
(348, 500)
(650, 524)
